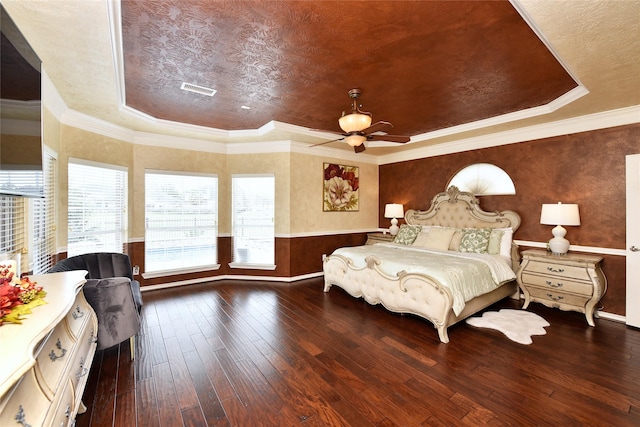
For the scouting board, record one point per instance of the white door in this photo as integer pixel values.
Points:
(633, 240)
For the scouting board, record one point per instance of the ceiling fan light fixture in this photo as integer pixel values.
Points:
(354, 122)
(355, 140)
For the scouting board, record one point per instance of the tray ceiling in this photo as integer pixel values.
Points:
(423, 66)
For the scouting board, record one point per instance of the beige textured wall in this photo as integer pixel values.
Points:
(306, 197)
(298, 180)
(51, 130)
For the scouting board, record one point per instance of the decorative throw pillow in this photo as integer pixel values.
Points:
(436, 238)
(475, 240)
(407, 234)
(455, 240)
(494, 242)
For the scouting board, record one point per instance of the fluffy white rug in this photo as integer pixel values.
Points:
(517, 325)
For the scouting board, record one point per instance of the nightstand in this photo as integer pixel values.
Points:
(568, 282)
(379, 238)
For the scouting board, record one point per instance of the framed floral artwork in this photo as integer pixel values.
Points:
(340, 189)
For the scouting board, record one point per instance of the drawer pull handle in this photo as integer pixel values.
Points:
(53, 355)
(77, 313)
(557, 285)
(82, 371)
(558, 298)
(555, 270)
(93, 338)
(20, 418)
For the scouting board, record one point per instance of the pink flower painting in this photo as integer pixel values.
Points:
(340, 191)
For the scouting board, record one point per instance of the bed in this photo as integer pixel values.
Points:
(431, 276)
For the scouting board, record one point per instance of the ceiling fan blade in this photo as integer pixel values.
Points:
(389, 138)
(377, 126)
(326, 142)
(359, 148)
(327, 131)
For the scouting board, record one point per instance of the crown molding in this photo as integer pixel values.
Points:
(607, 119)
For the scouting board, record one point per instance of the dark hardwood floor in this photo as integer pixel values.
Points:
(262, 354)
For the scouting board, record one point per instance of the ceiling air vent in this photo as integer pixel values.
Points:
(190, 87)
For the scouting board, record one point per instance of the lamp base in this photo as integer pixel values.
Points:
(559, 245)
(393, 230)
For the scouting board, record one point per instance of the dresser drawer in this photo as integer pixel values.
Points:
(78, 315)
(558, 299)
(82, 362)
(61, 414)
(569, 271)
(54, 356)
(558, 284)
(26, 403)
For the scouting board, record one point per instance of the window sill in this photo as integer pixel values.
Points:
(163, 273)
(248, 266)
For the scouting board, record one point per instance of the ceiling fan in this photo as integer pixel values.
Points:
(357, 128)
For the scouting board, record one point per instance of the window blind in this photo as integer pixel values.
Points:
(253, 211)
(97, 213)
(43, 240)
(12, 230)
(181, 220)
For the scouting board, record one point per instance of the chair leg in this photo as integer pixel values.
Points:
(132, 344)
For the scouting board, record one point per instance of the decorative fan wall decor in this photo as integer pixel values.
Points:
(357, 128)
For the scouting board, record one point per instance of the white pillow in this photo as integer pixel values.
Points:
(435, 238)
(505, 242)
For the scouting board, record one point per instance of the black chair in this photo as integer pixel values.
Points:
(112, 292)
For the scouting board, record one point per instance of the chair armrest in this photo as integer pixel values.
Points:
(113, 301)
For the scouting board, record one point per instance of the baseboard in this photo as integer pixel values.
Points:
(230, 277)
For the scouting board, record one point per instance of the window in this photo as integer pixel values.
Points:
(483, 179)
(12, 230)
(253, 214)
(181, 221)
(43, 236)
(97, 216)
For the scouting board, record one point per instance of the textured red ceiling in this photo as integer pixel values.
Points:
(422, 65)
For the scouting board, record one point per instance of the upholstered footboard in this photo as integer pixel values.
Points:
(413, 293)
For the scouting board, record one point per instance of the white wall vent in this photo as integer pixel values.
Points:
(190, 87)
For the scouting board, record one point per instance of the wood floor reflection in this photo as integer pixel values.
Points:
(241, 354)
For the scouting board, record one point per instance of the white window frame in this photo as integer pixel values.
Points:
(236, 228)
(42, 236)
(148, 242)
(13, 230)
(121, 224)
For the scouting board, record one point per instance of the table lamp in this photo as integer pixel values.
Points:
(394, 211)
(559, 215)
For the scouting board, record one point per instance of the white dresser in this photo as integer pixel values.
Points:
(45, 361)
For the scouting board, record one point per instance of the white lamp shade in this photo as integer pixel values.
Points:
(393, 210)
(355, 140)
(354, 122)
(560, 214)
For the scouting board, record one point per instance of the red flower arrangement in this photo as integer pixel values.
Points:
(17, 300)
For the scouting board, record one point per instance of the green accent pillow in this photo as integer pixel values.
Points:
(475, 240)
(407, 234)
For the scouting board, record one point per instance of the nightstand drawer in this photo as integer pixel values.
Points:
(379, 238)
(558, 284)
(547, 268)
(559, 298)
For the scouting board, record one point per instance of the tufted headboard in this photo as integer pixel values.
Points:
(458, 209)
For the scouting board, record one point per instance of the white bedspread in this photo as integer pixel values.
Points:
(466, 275)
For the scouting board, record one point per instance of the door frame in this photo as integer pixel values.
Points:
(632, 313)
